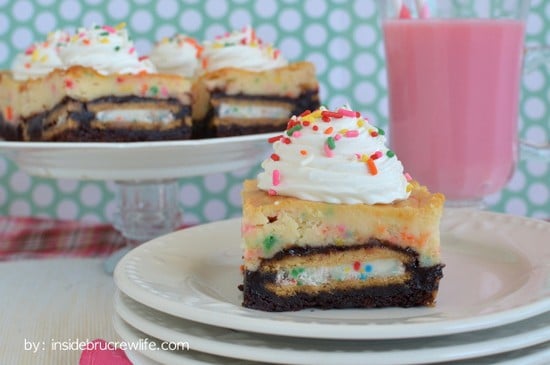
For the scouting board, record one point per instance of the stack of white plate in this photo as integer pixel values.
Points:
(178, 303)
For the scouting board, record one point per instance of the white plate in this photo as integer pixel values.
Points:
(151, 348)
(290, 350)
(136, 160)
(137, 358)
(498, 272)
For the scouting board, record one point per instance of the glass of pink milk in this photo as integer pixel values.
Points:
(454, 70)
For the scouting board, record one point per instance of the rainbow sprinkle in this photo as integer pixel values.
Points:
(328, 151)
(293, 129)
(373, 170)
(274, 139)
(376, 155)
(331, 143)
(276, 177)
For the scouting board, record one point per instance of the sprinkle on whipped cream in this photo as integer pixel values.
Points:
(41, 58)
(242, 49)
(106, 49)
(335, 157)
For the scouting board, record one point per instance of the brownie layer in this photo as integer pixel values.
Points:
(79, 119)
(419, 290)
(9, 131)
(224, 127)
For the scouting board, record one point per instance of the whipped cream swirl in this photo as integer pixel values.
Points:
(40, 58)
(178, 55)
(106, 49)
(241, 49)
(334, 157)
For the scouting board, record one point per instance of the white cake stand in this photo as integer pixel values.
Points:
(146, 174)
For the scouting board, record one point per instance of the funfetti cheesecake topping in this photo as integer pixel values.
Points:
(106, 49)
(334, 157)
(241, 49)
(178, 55)
(40, 58)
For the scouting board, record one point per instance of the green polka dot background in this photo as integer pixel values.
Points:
(341, 38)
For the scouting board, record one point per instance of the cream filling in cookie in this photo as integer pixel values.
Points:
(357, 270)
(136, 115)
(226, 110)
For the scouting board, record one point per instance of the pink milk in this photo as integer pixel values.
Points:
(453, 101)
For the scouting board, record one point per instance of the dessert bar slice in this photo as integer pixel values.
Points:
(301, 254)
(234, 101)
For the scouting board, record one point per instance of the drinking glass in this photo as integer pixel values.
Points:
(454, 69)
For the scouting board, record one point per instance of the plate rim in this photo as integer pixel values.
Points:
(128, 333)
(450, 352)
(131, 161)
(18, 146)
(329, 331)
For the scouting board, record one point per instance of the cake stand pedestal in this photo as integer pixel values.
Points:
(145, 210)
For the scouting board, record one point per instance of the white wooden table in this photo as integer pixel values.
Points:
(50, 305)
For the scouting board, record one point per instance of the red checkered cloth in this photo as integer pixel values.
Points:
(31, 237)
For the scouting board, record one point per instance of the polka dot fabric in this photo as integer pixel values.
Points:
(341, 38)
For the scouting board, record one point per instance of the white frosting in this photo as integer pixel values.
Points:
(241, 49)
(176, 55)
(39, 59)
(106, 49)
(308, 169)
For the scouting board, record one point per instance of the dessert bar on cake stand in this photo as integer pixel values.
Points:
(146, 174)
